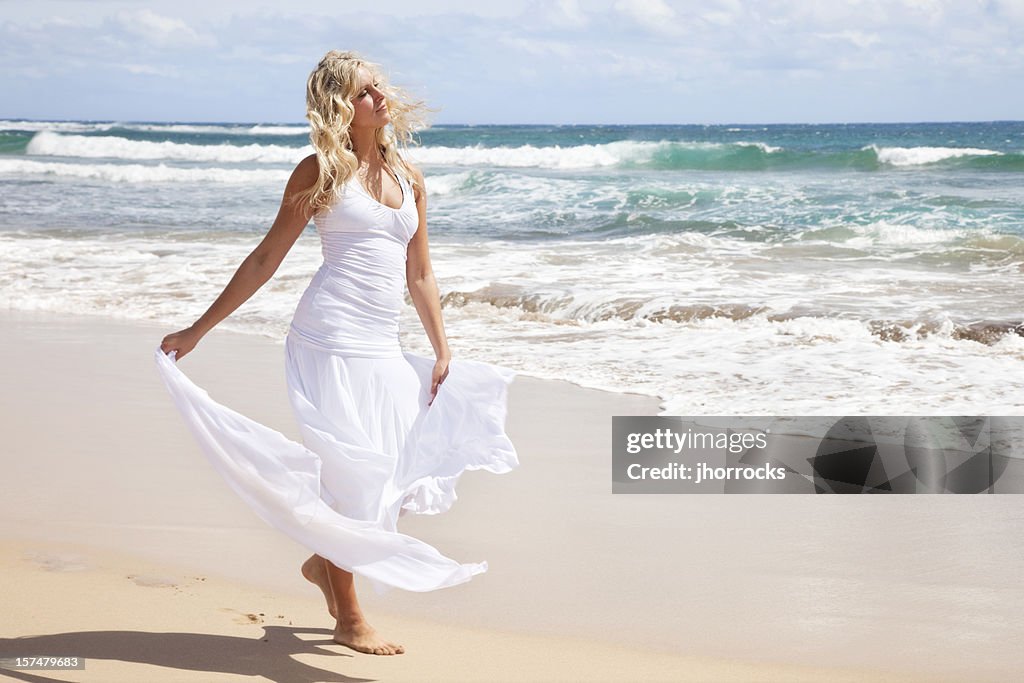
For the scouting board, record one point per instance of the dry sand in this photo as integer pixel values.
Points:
(119, 543)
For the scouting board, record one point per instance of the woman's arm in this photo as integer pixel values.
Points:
(419, 276)
(258, 267)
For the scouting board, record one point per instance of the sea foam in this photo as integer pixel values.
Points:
(138, 173)
(48, 143)
(914, 156)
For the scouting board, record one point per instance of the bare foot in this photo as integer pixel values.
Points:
(362, 637)
(314, 571)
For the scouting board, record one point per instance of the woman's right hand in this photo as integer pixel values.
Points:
(181, 341)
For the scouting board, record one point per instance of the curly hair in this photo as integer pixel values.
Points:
(329, 91)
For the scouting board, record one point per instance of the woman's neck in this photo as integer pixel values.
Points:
(364, 146)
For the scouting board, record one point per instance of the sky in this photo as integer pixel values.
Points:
(522, 62)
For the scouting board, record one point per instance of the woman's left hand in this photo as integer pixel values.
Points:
(439, 375)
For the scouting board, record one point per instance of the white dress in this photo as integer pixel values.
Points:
(372, 447)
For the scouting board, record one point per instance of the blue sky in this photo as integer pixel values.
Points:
(559, 62)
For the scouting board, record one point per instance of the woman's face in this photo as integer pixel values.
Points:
(371, 109)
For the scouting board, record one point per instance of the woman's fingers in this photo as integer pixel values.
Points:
(436, 379)
(180, 342)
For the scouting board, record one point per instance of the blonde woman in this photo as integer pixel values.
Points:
(384, 431)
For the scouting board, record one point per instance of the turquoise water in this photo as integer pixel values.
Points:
(859, 266)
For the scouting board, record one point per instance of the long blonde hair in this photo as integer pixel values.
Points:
(329, 90)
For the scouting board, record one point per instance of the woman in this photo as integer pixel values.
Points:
(384, 431)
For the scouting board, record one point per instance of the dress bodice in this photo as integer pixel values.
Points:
(353, 303)
(357, 218)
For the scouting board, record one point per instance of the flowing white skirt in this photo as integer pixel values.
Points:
(373, 449)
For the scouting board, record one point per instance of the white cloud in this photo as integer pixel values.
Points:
(931, 11)
(539, 48)
(562, 14)
(654, 15)
(1009, 10)
(160, 30)
(722, 13)
(856, 38)
(149, 70)
(640, 69)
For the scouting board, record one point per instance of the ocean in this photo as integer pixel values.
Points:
(803, 269)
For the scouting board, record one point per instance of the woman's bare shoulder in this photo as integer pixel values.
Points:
(308, 168)
(304, 175)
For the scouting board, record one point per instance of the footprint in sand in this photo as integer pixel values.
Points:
(245, 617)
(152, 581)
(58, 562)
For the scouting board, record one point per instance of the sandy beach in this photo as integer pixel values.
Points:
(121, 544)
